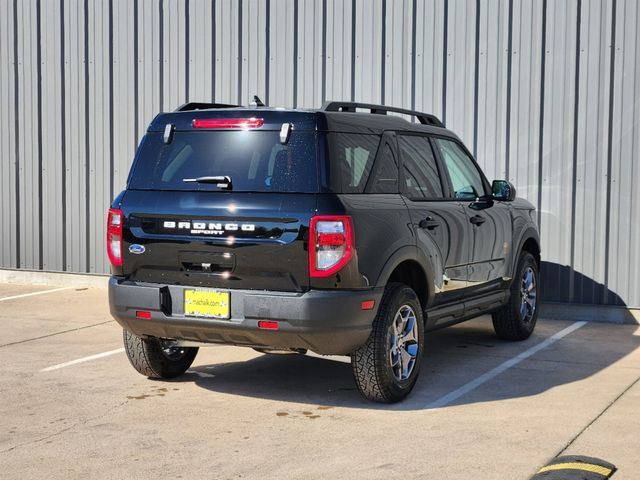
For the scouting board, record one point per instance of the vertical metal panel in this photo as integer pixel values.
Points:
(491, 90)
(622, 277)
(310, 54)
(254, 50)
(99, 132)
(76, 129)
(339, 40)
(368, 61)
(430, 56)
(526, 78)
(227, 54)
(591, 151)
(558, 143)
(459, 86)
(147, 90)
(8, 253)
(545, 93)
(51, 138)
(281, 59)
(398, 54)
(124, 92)
(27, 138)
(174, 61)
(200, 54)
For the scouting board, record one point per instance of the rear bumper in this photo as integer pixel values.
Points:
(329, 322)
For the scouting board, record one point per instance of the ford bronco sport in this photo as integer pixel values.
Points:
(342, 230)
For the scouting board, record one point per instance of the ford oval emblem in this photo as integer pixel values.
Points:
(136, 249)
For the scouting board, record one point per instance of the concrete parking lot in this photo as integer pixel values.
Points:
(72, 407)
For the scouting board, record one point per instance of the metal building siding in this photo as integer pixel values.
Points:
(8, 252)
(52, 175)
(545, 93)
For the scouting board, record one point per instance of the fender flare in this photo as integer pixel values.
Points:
(528, 233)
(408, 252)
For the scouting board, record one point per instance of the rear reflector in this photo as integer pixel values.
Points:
(367, 305)
(143, 314)
(268, 325)
(228, 123)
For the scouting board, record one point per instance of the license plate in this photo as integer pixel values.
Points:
(201, 303)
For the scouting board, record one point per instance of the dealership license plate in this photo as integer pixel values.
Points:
(202, 303)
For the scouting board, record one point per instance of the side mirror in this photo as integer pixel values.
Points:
(503, 191)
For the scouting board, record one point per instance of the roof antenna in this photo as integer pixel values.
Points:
(256, 102)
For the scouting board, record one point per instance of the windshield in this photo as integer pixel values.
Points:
(255, 161)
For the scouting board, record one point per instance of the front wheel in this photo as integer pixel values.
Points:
(517, 319)
(157, 358)
(386, 367)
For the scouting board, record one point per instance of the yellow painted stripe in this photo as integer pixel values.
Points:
(585, 467)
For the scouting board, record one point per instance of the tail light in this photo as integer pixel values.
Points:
(331, 244)
(114, 236)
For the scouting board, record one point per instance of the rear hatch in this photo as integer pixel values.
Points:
(221, 204)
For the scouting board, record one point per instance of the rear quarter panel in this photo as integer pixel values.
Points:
(382, 227)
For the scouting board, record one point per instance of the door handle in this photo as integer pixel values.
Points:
(429, 223)
(477, 220)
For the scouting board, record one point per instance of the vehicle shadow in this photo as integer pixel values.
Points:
(562, 284)
(453, 357)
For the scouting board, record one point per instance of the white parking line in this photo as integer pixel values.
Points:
(35, 293)
(472, 385)
(83, 359)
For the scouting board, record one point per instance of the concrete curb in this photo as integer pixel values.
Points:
(552, 311)
(31, 277)
(590, 313)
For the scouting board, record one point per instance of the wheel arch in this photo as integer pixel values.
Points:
(529, 242)
(406, 266)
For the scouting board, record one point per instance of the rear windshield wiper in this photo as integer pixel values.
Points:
(222, 181)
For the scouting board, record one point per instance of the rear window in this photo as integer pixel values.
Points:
(256, 161)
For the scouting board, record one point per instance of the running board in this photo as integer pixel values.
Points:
(449, 314)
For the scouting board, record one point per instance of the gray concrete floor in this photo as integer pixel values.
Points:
(240, 414)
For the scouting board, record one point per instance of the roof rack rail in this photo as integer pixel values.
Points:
(202, 106)
(423, 118)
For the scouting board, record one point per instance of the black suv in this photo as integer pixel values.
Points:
(345, 230)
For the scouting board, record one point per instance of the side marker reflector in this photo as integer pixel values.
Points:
(143, 314)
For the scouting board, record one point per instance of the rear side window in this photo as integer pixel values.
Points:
(384, 178)
(419, 170)
(256, 161)
(351, 159)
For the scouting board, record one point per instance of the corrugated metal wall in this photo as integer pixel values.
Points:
(545, 92)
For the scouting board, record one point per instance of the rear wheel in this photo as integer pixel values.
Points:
(157, 358)
(386, 367)
(517, 319)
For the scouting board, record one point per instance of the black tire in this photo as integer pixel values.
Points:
(509, 322)
(372, 367)
(151, 358)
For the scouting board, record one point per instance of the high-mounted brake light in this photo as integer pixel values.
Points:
(114, 236)
(228, 123)
(331, 244)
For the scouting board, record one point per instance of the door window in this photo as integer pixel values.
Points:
(465, 177)
(420, 178)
